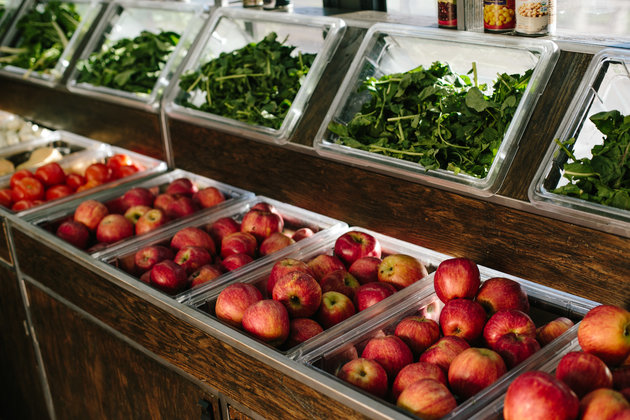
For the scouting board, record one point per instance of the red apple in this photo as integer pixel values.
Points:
(192, 257)
(284, 266)
(90, 213)
(205, 274)
(234, 261)
(146, 277)
(181, 206)
(299, 292)
(150, 255)
(334, 308)
(221, 228)
(605, 332)
(340, 281)
(274, 242)
(366, 374)
(302, 330)
(464, 318)
(193, 236)
(602, 404)
(371, 293)
(444, 351)
(508, 321)
(162, 201)
(233, 300)
(418, 332)
(353, 245)
(267, 320)
(266, 207)
(134, 213)
(261, 223)
(428, 399)
(538, 395)
(515, 348)
(546, 333)
(151, 220)
(623, 414)
(208, 197)
(414, 372)
(75, 233)
(181, 186)
(456, 278)
(302, 233)
(583, 372)
(390, 351)
(365, 269)
(323, 264)
(169, 277)
(239, 243)
(113, 228)
(473, 370)
(138, 196)
(500, 293)
(401, 270)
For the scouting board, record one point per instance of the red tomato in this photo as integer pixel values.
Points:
(17, 175)
(74, 181)
(58, 191)
(98, 172)
(123, 171)
(6, 197)
(26, 204)
(29, 188)
(119, 160)
(51, 174)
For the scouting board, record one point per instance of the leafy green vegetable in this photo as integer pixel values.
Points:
(255, 84)
(603, 178)
(132, 65)
(44, 33)
(434, 117)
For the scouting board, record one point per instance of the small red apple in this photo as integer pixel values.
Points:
(208, 197)
(299, 292)
(302, 330)
(418, 332)
(583, 372)
(390, 351)
(284, 266)
(234, 261)
(205, 274)
(401, 270)
(162, 201)
(113, 228)
(75, 233)
(515, 348)
(192, 257)
(323, 264)
(499, 293)
(365, 269)
(138, 196)
(508, 321)
(150, 255)
(605, 332)
(239, 243)
(464, 318)
(602, 404)
(151, 220)
(261, 223)
(334, 308)
(181, 186)
(414, 372)
(267, 320)
(366, 374)
(371, 293)
(340, 281)
(134, 213)
(233, 300)
(428, 399)
(456, 278)
(181, 206)
(90, 213)
(193, 236)
(353, 245)
(221, 228)
(473, 370)
(302, 233)
(274, 242)
(546, 333)
(444, 351)
(169, 277)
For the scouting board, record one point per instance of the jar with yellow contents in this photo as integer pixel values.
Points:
(498, 15)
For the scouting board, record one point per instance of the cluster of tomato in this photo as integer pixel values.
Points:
(50, 182)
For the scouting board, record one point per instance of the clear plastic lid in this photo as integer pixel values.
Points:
(604, 88)
(87, 10)
(230, 29)
(389, 49)
(127, 20)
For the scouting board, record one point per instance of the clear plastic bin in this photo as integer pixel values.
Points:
(88, 10)
(545, 305)
(126, 20)
(121, 255)
(604, 88)
(52, 218)
(229, 29)
(205, 300)
(389, 48)
(8, 9)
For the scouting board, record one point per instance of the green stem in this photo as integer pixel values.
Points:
(238, 76)
(62, 37)
(387, 149)
(564, 148)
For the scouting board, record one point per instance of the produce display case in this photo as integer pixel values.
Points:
(227, 31)
(14, 130)
(88, 10)
(204, 299)
(122, 256)
(546, 304)
(122, 23)
(605, 87)
(112, 197)
(390, 49)
(77, 163)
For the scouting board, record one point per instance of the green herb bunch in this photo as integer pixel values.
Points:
(132, 65)
(603, 178)
(434, 117)
(255, 84)
(44, 33)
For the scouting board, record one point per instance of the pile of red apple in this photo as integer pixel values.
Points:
(300, 299)
(196, 255)
(428, 367)
(590, 384)
(49, 182)
(138, 211)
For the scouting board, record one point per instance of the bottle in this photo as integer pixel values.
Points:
(447, 14)
(498, 15)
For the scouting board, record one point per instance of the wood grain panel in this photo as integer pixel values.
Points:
(232, 372)
(22, 395)
(95, 375)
